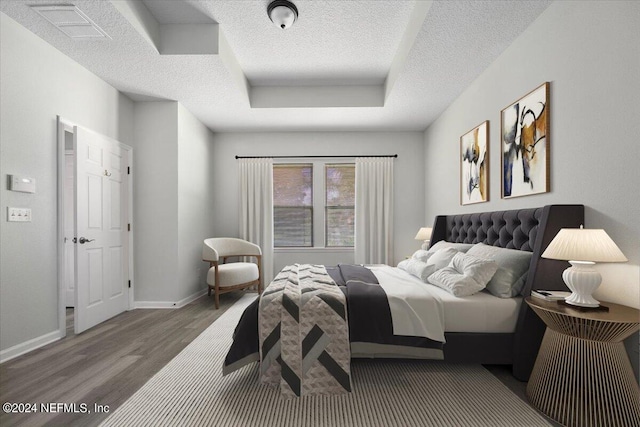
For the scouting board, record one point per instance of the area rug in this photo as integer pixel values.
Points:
(190, 391)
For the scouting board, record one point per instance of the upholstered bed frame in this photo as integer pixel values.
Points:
(527, 230)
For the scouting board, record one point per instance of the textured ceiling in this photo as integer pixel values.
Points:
(336, 42)
(352, 42)
(177, 12)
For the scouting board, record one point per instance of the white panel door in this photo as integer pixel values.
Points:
(101, 195)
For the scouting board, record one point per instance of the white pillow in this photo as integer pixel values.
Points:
(421, 255)
(403, 264)
(417, 268)
(440, 259)
(465, 275)
(460, 247)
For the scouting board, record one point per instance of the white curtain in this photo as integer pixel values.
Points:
(374, 210)
(256, 209)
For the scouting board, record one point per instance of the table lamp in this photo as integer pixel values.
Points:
(583, 248)
(424, 234)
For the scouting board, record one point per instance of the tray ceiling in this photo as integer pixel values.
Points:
(344, 65)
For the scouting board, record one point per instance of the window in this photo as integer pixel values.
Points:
(339, 206)
(292, 205)
(302, 219)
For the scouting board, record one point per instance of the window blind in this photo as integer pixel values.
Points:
(293, 205)
(340, 205)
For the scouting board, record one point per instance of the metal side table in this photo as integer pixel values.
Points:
(582, 376)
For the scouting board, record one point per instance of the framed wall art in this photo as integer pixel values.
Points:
(524, 131)
(474, 165)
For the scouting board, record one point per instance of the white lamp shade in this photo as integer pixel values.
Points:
(579, 244)
(424, 233)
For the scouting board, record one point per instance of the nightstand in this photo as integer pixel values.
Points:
(582, 376)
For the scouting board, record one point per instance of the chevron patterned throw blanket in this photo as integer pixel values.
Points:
(304, 334)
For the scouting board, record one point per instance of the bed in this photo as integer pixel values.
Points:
(524, 229)
(478, 329)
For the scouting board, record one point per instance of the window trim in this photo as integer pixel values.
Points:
(318, 186)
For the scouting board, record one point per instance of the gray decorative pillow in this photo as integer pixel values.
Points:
(465, 275)
(417, 268)
(513, 266)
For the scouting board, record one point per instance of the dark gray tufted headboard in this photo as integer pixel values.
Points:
(515, 229)
(524, 229)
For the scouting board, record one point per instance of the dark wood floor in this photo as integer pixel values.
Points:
(108, 363)
(104, 365)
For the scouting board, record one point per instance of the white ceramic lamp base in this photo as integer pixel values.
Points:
(582, 279)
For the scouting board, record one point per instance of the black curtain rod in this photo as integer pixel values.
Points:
(313, 157)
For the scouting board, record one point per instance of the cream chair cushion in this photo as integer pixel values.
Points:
(233, 274)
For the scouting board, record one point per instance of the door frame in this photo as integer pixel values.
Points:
(68, 192)
(63, 125)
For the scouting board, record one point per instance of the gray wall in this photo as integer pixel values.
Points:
(408, 170)
(155, 204)
(173, 201)
(195, 201)
(37, 82)
(590, 53)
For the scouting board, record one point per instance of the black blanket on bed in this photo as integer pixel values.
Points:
(368, 312)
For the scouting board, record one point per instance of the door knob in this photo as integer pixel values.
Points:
(82, 240)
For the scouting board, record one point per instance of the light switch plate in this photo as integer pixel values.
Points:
(18, 214)
(21, 183)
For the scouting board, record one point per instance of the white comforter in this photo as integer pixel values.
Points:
(414, 310)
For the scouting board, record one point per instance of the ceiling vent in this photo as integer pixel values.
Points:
(71, 21)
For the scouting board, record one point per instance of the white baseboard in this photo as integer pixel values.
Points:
(169, 304)
(27, 346)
